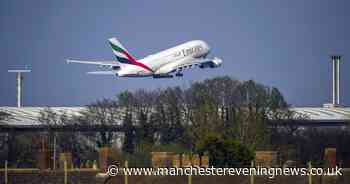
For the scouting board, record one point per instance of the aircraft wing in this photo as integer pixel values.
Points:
(102, 73)
(202, 63)
(101, 63)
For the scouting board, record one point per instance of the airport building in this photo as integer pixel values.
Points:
(26, 118)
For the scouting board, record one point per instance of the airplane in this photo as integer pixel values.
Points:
(160, 65)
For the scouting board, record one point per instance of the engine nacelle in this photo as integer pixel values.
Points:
(115, 67)
(216, 62)
(104, 67)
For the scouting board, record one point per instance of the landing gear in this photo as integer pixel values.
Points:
(157, 76)
(179, 74)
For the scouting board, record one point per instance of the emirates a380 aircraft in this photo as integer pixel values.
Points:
(160, 65)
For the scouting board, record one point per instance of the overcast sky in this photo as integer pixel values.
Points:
(280, 43)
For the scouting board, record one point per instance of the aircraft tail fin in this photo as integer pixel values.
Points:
(123, 55)
(120, 52)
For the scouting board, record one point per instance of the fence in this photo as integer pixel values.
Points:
(92, 176)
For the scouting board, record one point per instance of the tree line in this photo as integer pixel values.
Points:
(222, 117)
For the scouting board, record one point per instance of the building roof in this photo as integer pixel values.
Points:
(318, 115)
(324, 114)
(30, 115)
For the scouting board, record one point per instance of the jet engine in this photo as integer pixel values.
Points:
(216, 62)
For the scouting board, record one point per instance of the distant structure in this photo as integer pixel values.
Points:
(336, 79)
(19, 79)
(335, 59)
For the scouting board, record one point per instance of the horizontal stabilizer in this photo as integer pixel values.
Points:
(102, 73)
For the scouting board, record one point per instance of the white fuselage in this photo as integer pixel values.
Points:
(168, 60)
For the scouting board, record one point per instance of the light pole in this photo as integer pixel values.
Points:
(19, 79)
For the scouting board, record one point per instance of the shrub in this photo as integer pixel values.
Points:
(225, 152)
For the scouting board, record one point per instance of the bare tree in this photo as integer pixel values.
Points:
(103, 113)
(77, 143)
